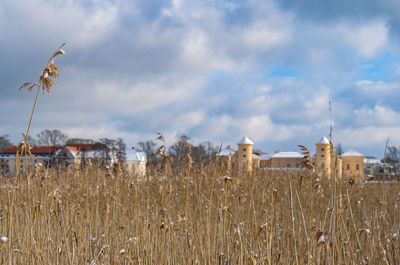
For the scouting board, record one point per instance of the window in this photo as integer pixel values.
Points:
(279, 165)
(348, 167)
(244, 149)
(322, 165)
(297, 165)
(322, 149)
(357, 167)
(244, 155)
(322, 155)
(288, 165)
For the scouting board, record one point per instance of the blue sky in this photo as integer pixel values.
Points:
(214, 70)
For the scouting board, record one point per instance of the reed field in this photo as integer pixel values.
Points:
(196, 216)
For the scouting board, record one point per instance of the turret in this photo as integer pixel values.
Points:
(245, 155)
(323, 157)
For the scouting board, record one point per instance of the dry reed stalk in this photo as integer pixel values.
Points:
(46, 82)
(94, 222)
(293, 224)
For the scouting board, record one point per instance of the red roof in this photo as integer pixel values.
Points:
(86, 147)
(47, 150)
(36, 150)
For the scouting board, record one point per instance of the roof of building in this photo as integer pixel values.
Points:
(352, 153)
(245, 140)
(86, 147)
(134, 155)
(87, 150)
(323, 140)
(265, 156)
(35, 150)
(287, 155)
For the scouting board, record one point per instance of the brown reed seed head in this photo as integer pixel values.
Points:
(162, 150)
(49, 74)
(306, 161)
(24, 148)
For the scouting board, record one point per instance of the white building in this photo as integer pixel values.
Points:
(135, 162)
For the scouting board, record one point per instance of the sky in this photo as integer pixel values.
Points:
(213, 70)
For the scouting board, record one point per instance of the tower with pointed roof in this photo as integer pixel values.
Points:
(323, 157)
(245, 155)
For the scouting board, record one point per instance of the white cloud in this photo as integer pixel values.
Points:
(256, 127)
(264, 36)
(377, 89)
(198, 53)
(121, 98)
(378, 116)
(102, 130)
(62, 21)
(131, 74)
(369, 137)
(367, 39)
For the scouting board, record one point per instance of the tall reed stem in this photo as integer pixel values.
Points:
(20, 153)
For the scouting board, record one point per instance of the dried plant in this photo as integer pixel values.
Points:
(46, 82)
(306, 161)
(162, 150)
(167, 220)
(49, 74)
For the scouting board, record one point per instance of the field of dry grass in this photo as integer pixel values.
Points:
(197, 216)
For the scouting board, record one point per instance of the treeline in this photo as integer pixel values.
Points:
(204, 152)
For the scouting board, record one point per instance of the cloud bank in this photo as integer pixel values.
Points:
(214, 70)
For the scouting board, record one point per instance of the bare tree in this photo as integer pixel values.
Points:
(4, 142)
(32, 141)
(80, 141)
(120, 150)
(202, 153)
(109, 151)
(339, 149)
(51, 138)
(149, 147)
(393, 155)
(180, 149)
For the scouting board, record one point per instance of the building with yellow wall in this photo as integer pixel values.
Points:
(286, 160)
(245, 155)
(326, 163)
(323, 157)
(352, 164)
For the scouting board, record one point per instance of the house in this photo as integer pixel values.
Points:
(372, 166)
(44, 155)
(54, 156)
(287, 160)
(81, 154)
(353, 164)
(135, 162)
